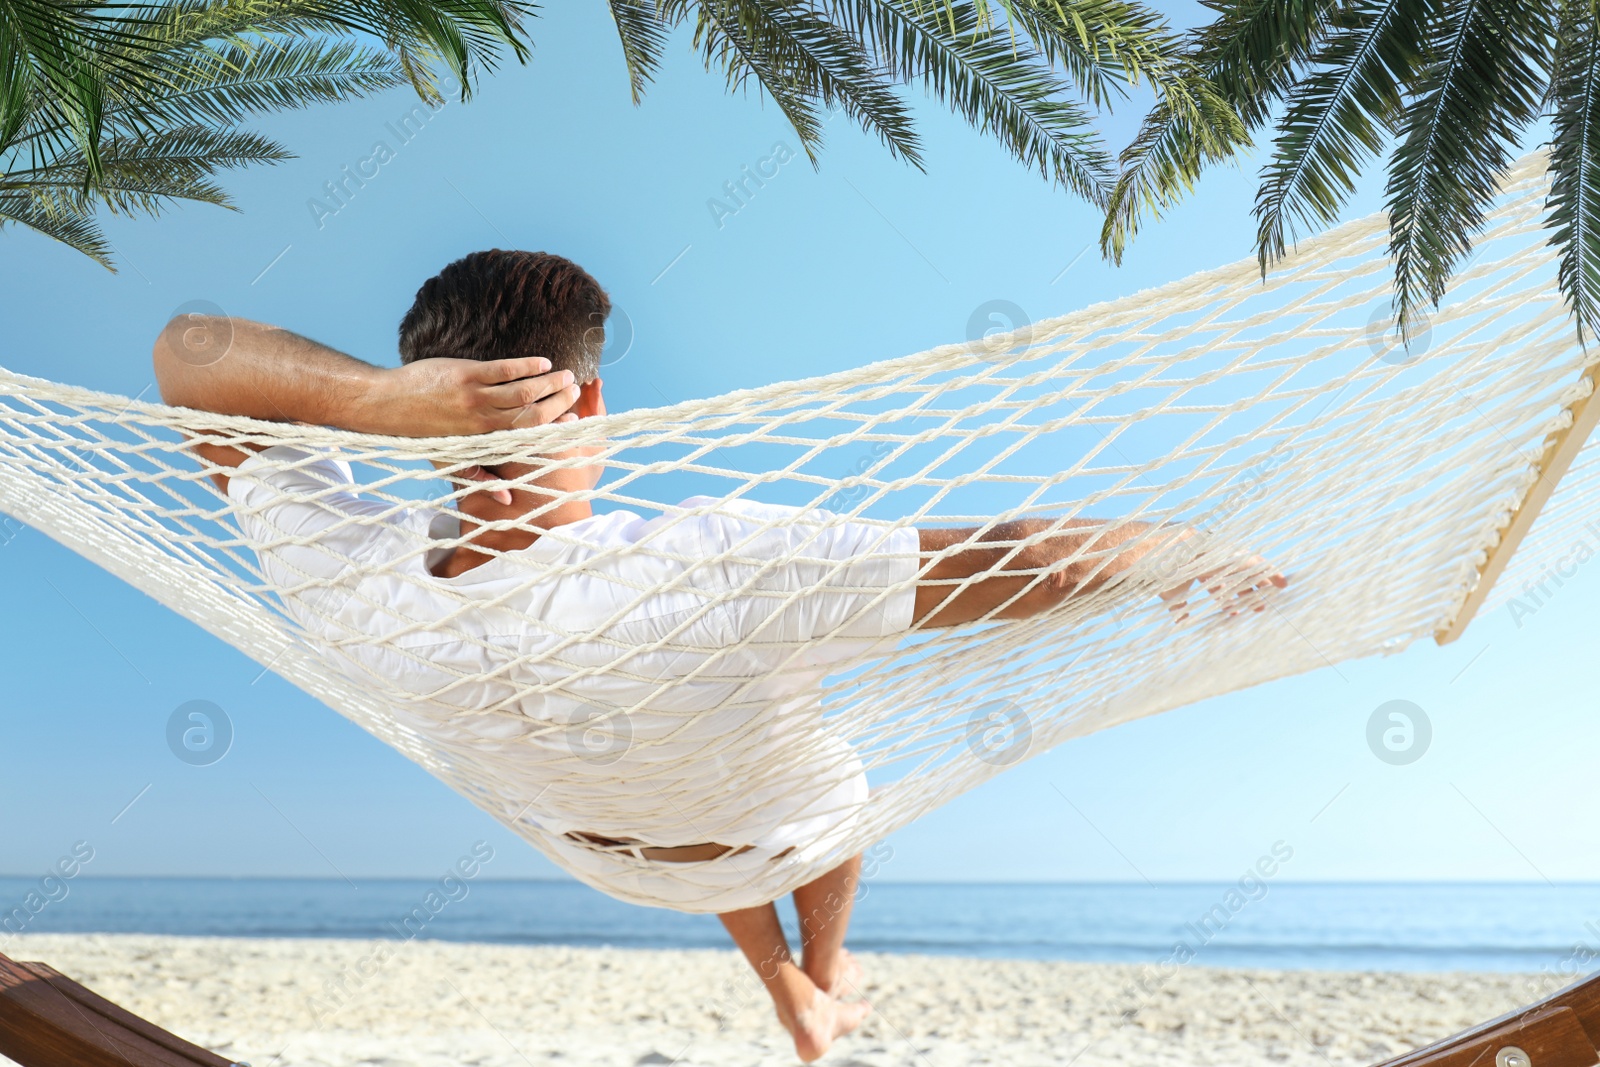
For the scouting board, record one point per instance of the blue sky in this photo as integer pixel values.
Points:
(821, 269)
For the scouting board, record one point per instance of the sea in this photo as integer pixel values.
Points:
(1282, 925)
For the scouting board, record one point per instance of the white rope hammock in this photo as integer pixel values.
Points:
(1279, 416)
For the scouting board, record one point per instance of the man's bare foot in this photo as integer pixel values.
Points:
(844, 980)
(817, 1027)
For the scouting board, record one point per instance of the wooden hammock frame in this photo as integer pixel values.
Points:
(1560, 449)
(48, 1020)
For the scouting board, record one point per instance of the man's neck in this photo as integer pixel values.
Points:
(543, 511)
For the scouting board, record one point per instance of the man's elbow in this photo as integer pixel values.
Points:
(186, 345)
(164, 361)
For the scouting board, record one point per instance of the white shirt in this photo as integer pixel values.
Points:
(692, 644)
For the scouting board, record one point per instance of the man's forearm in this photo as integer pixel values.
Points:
(1020, 568)
(238, 367)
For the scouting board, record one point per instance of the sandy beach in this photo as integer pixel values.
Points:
(326, 1003)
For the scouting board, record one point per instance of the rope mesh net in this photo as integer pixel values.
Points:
(1278, 416)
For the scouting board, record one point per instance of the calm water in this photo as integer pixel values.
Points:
(1381, 927)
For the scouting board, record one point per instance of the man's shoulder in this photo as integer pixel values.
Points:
(291, 469)
(300, 492)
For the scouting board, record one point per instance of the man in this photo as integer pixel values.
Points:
(683, 624)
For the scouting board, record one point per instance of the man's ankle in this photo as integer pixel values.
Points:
(792, 989)
(823, 972)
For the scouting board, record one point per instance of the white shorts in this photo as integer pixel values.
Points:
(735, 880)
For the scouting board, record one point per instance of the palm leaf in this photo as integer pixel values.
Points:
(1192, 125)
(73, 229)
(990, 76)
(1575, 160)
(1338, 118)
(1102, 45)
(16, 90)
(723, 40)
(188, 22)
(1255, 50)
(47, 47)
(222, 86)
(1481, 88)
(1236, 68)
(458, 33)
(145, 175)
(803, 62)
(644, 34)
(171, 81)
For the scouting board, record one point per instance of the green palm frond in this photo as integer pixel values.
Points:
(172, 83)
(992, 76)
(1575, 160)
(1255, 49)
(460, 34)
(222, 86)
(1019, 70)
(1447, 88)
(803, 61)
(74, 229)
(1338, 118)
(1233, 71)
(193, 22)
(61, 53)
(1192, 125)
(1101, 45)
(643, 32)
(727, 41)
(48, 58)
(144, 176)
(1480, 89)
(15, 92)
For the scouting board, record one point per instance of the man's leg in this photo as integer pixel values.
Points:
(824, 909)
(812, 1018)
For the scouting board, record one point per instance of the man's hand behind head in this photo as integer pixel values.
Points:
(450, 397)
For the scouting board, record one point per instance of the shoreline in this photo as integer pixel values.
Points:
(326, 1002)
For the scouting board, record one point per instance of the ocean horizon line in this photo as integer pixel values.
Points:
(1153, 883)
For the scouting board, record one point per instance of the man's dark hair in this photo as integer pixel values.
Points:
(505, 305)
